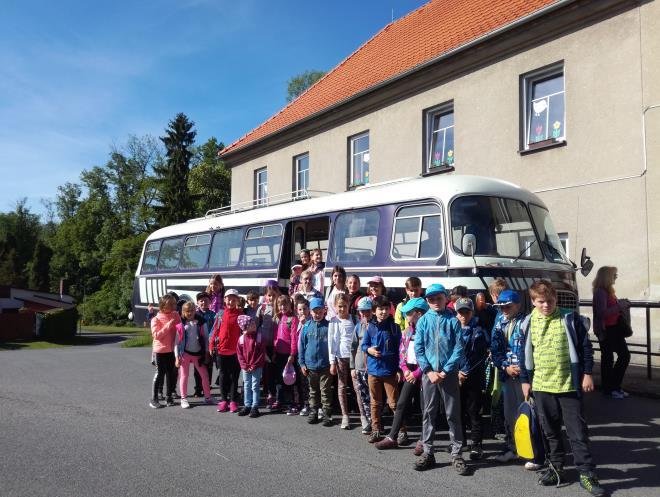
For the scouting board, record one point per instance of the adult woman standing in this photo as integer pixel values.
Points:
(607, 314)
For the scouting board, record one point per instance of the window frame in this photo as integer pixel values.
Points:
(258, 200)
(181, 238)
(240, 248)
(527, 80)
(242, 262)
(427, 130)
(297, 191)
(419, 244)
(350, 147)
(208, 254)
(155, 268)
(332, 249)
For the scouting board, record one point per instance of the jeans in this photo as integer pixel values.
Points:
(555, 408)
(320, 388)
(444, 392)
(471, 400)
(165, 369)
(376, 384)
(612, 373)
(186, 359)
(251, 387)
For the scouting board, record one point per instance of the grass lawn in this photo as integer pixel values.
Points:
(88, 328)
(141, 340)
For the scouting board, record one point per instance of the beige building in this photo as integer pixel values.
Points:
(561, 97)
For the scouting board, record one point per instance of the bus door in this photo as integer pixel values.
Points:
(304, 233)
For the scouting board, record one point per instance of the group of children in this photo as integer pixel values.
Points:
(430, 347)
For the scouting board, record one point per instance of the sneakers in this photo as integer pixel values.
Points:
(476, 451)
(590, 483)
(292, 411)
(320, 414)
(222, 406)
(327, 418)
(425, 461)
(419, 448)
(170, 402)
(233, 407)
(254, 412)
(375, 436)
(345, 423)
(624, 393)
(154, 404)
(617, 394)
(304, 411)
(366, 425)
(244, 411)
(532, 466)
(386, 443)
(185, 404)
(275, 406)
(209, 401)
(506, 456)
(312, 418)
(402, 439)
(459, 465)
(269, 401)
(552, 476)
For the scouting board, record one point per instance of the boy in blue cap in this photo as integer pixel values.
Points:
(412, 310)
(314, 360)
(439, 350)
(506, 347)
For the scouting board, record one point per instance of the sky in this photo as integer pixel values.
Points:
(79, 77)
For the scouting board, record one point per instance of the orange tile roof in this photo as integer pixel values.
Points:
(426, 33)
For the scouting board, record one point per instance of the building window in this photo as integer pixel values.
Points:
(300, 175)
(544, 107)
(359, 157)
(261, 186)
(439, 138)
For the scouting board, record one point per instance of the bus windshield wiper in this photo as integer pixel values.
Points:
(524, 250)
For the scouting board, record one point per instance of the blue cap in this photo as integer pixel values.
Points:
(435, 289)
(365, 304)
(508, 297)
(416, 303)
(315, 303)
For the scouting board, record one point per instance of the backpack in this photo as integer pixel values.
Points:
(527, 433)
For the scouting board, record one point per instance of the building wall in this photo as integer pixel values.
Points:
(611, 75)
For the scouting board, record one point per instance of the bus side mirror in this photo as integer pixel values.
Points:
(586, 264)
(469, 244)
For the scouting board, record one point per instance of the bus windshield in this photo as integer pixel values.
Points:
(549, 238)
(501, 226)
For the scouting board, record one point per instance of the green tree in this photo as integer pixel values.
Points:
(38, 269)
(176, 204)
(300, 82)
(19, 232)
(209, 180)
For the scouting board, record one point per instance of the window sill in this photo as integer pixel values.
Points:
(544, 145)
(438, 170)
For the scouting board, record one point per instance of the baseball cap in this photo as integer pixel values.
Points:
(508, 297)
(435, 289)
(315, 303)
(232, 291)
(365, 304)
(464, 303)
(416, 303)
(376, 279)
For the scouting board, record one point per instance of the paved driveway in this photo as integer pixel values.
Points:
(75, 422)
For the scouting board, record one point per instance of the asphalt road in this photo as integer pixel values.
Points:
(75, 422)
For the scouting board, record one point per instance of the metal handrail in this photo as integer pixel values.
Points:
(638, 304)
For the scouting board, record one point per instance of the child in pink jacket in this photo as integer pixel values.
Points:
(163, 332)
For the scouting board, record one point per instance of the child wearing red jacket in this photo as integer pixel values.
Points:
(226, 333)
(251, 352)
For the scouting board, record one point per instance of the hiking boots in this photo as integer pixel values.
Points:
(552, 476)
(312, 418)
(254, 413)
(425, 461)
(375, 436)
(476, 452)
(327, 417)
(590, 483)
(245, 411)
(403, 439)
(459, 465)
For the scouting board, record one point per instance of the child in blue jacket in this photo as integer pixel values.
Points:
(314, 360)
(381, 343)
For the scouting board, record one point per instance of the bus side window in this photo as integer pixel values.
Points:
(355, 236)
(262, 245)
(170, 253)
(150, 256)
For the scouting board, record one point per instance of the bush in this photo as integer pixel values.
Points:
(57, 324)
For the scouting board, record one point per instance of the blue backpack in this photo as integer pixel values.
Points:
(527, 433)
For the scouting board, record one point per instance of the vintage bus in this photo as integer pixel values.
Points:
(451, 229)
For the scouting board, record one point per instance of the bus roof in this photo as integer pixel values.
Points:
(442, 187)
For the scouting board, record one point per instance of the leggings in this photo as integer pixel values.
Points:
(165, 369)
(230, 370)
(185, 362)
(361, 386)
(613, 342)
(282, 391)
(408, 392)
(343, 379)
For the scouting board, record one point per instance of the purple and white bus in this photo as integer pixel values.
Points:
(451, 229)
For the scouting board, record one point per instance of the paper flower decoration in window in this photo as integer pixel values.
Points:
(556, 131)
(450, 157)
(539, 131)
(437, 159)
